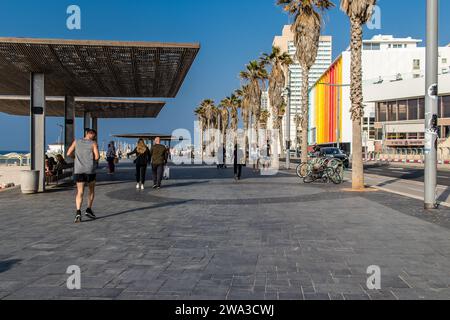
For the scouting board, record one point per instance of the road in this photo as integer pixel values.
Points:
(403, 180)
(415, 174)
(400, 172)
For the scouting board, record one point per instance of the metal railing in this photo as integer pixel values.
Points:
(407, 155)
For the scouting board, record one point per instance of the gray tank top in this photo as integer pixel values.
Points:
(84, 157)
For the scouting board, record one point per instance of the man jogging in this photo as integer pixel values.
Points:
(85, 152)
(158, 155)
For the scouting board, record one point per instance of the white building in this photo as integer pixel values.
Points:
(386, 61)
(324, 58)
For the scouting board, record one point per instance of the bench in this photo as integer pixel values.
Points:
(62, 173)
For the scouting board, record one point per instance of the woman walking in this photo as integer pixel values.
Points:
(142, 160)
(110, 157)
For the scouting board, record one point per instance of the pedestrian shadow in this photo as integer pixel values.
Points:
(184, 184)
(7, 264)
(155, 206)
(112, 183)
(388, 182)
(444, 195)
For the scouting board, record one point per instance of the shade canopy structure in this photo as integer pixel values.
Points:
(89, 68)
(100, 108)
(147, 136)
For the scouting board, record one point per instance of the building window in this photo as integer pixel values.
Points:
(446, 107)
(446, 132)
(421, 108)
(402, 115)
(376, 46)
(392, 136)
(371, 46)
(379, 134)
(412, 136)
(416, 64)
(412, 109)
(382, 112)
(444, 60)
(392, 111)
(421, 135)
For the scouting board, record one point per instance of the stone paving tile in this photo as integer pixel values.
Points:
(353, 296)
(316, 296)
(205, 236)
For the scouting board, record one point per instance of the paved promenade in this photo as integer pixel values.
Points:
(204, 236)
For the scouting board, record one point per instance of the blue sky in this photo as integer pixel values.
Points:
(231, 33)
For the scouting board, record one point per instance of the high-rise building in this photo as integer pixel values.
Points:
(324, 58)
(393, 74)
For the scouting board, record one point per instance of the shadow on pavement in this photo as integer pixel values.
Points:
(444, 196)
(7, 264)
(156, 206)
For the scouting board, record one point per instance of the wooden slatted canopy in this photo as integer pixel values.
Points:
(87, 68)
(146, 136)
(101, 108)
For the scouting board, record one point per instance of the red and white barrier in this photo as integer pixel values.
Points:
(402, 161)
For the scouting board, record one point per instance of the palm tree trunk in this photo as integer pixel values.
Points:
(201, 139)
(305, 113)
(208, 138)
(356, 97)
(280, 135)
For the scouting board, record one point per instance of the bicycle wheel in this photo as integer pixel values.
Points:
(303, 170)
(334, 163)
(340, 172)
(334, 176)
(310, 178)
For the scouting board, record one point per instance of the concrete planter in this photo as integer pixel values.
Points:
(29, 181)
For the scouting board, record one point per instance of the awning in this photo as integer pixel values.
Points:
(101, 108)
(87, 68)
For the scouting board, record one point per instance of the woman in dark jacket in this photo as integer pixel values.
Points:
(142, 160)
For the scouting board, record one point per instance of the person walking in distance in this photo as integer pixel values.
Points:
(85, 152)
(158, 155)
(142, 160)
(110, 157)
(238, 162)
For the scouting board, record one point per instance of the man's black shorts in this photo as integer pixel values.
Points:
(86, 178)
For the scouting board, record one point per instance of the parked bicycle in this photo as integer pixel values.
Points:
(321, 168)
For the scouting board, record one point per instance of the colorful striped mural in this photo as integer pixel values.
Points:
(324, 102)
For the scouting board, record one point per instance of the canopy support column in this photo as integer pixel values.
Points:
(37, 126)
(95, 124)
(69, 124)
(87, 121)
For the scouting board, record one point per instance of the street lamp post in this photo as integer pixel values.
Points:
(431, 105)
(288, 122)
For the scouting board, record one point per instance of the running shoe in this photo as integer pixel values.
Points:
(90, 214)
(78, 217)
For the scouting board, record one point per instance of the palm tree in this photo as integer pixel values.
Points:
(224, 115)
(277, 80)
(306, 28)
(209, 110)
(243, 95)
(200, 113)
(359, 12)
(298, 123)
(264, 119)
(234, 104)
(255, 75)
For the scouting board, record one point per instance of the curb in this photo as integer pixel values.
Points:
(403, 161)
